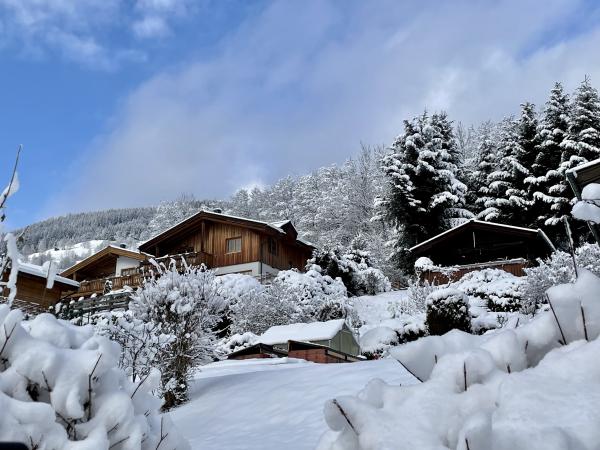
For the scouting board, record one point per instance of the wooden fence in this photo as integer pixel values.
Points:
(29, 308)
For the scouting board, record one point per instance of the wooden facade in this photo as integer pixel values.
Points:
(476, 245)
(103, 264)
(208, 233)
(31, 287)
(579, 177)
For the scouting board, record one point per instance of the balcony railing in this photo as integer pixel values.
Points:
(134, 276)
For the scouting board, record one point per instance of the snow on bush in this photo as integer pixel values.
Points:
(237, 342)
(447, 309)
(185, 308)
(511, 389)
(377, 341)
(502, 291)
(292, 297)
(60, 388)
(557, 269)
(353, 267)
(417, 295)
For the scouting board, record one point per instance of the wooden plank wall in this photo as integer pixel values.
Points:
(31, 289)
(435, 277)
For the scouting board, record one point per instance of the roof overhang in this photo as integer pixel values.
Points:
(110, 250)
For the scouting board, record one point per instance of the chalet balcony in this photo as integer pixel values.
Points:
(134, 276)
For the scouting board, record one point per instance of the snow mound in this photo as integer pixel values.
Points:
(60, 388)
(378, 340)
(512, 389)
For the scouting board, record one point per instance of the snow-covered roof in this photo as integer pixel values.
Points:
(109, 249)
(481, 222)
(38, 271)
(574, 170)
(307, 332)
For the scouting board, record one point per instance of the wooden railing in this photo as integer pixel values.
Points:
(192, 259)
(134, 276)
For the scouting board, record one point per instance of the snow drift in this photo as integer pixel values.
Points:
(533, 387)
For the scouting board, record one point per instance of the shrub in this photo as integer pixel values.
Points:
(501, 291)
(447, 309)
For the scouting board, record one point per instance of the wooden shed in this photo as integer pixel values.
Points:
(475, 245)
(33, 292)
(333, 335)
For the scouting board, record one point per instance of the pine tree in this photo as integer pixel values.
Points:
(423, 189)
(520, 194)
(487, 160)
(498, 207)
(550, 187)
(583, 140)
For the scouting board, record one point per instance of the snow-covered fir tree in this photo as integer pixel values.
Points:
(551, 191)
(477, 178)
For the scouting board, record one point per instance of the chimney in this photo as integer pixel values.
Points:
(218, 210)
(122, 245)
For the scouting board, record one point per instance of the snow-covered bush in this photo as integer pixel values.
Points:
(292, 297)
(417, 295)
(60, 388)
(558, 269)
(447, 309)
(237, 342)
(184, 309)
(140, 341)
(353, 267)
(511, 389)
(502, 291)
(377, 341)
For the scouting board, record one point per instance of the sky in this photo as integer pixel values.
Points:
(129, 103)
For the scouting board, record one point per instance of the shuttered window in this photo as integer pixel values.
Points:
(234, 245)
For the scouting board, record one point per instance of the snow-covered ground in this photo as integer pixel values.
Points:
(271, 403)
(374, 310)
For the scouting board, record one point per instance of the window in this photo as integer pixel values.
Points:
(233, 245)
(272, 245)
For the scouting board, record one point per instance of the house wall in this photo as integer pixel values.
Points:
(254, 247)
(123, 262)
(31, 289)
(437, 277)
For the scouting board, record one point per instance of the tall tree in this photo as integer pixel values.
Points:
(423, 189)
(486, 161)
(551, 193)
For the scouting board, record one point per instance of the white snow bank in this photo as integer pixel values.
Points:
(315, 331)
(60, 388)
(512, 389)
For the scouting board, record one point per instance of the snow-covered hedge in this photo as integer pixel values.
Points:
(527, 388)
(502, 291)
(292, 297)
(60, 388)
(447, 309)
(353, 267)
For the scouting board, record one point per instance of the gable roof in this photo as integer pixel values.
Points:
(38, 271)
(108, 250)
(485, 226)
(191, 221)
(315, 331)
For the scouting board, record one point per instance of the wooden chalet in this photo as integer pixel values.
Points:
(232, 244)
(34, 293)
(111, 268)
(475, 245)
(578, 178)
(321, 342)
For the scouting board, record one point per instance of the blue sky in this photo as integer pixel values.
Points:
(129, 103)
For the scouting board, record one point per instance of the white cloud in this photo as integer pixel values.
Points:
(82, 30)
(301, 84)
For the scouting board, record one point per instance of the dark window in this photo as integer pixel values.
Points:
(272, 244)
(234, 245)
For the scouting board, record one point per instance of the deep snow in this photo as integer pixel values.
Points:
(271, 403)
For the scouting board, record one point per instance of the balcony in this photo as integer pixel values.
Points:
(134, 276)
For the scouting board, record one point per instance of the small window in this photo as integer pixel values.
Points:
(272, 244)
(234, 245)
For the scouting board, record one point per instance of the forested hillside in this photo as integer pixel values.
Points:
(384, 200)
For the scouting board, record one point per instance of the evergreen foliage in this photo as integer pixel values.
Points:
(447, 309)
